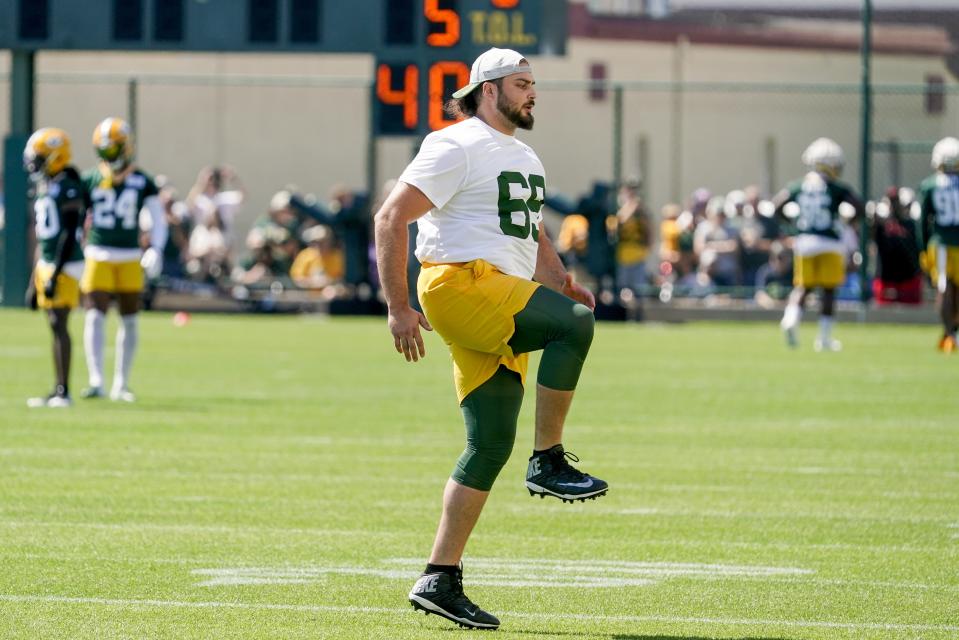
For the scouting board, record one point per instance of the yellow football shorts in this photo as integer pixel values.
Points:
(471, 305)
(941, 257)
(827, 270)
(112, 277)
(67, 292)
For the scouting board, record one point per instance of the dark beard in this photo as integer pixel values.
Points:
(514, 115)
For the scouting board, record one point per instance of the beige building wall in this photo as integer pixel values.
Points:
(724, 139)
(278, 119)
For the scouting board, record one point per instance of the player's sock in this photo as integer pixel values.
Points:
(825, 330)
(450, 569)
(127, 338)
(93, 345)
(791, 316)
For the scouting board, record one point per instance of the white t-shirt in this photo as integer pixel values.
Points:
(487, 189)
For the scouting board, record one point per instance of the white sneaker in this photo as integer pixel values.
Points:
(51, 401)
(792, 334)
(122, 395)
(832, 345)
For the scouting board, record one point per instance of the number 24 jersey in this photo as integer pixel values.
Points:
(115, 209)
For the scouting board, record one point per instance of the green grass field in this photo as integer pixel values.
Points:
(280, 477)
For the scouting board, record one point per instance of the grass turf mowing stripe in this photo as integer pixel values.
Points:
(586, 617)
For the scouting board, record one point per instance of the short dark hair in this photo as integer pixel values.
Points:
(466, 106)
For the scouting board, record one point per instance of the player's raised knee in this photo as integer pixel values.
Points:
(582, 325)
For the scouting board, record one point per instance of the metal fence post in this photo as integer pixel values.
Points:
(133, 88)
(865, 168)
(617, 135)
(14, 252)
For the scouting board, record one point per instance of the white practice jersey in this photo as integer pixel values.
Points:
(487, 189)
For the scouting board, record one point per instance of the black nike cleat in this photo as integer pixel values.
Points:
(551, 474)
(442, 594)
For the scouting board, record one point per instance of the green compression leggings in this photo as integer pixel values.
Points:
(563, 329)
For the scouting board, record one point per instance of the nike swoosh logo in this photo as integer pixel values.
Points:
(583, 485)
(472, 613)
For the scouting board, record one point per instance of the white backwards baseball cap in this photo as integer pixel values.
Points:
(493, 64)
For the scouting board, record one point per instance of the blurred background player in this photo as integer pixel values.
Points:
(59, 205)
(895, 233)
(939, 229)
(114, 261)
(819, 254)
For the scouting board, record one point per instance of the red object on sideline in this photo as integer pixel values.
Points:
(906, 292)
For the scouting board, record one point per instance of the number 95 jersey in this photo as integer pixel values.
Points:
(115, 209)
(487, 189)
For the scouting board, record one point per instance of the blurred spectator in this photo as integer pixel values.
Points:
(320, 265)
(775, 278)
(279, 229)
(264, 264)
(280, 214)
(698, 283)
(716, 238)
(677, 231)
(733, 206)
(217, 191)
(177, 249)
(348, 213)
(209, 249)
(697, 204)
(757, 232)
(572, 243)
(633, 240)
(851, 288)
(898, 276)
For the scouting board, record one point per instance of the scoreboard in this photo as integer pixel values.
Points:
(422, 48)
(413, 81)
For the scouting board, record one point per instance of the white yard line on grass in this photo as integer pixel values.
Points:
(94, 559)
(586, 617)
(367, 533)
(754, 515)
(200, 528)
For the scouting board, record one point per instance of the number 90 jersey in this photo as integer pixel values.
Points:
(115, 209)
(487, 189)
(939, 202)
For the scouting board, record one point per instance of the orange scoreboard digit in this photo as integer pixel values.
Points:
(429, 46)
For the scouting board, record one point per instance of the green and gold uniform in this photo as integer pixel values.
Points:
(113, 241)
(819, 254)
(939, 224)
(53, 200)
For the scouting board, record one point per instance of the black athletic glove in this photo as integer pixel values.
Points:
(50, 288)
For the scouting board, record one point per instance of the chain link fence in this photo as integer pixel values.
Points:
(674, 138)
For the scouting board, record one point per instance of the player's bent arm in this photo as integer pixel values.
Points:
(405, 204)
(857, 204)
(70, 218)
(550, 272)
(780, 200)
(159, 231)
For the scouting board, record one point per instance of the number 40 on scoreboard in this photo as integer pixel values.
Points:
(430, 56)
